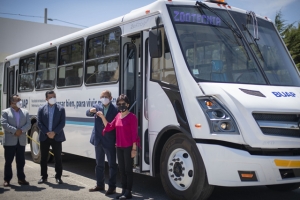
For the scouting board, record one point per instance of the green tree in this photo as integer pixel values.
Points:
(292, 41)
(290, 35)
(280, 24)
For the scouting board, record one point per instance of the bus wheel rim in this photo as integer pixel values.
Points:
(180, 169)
(35, 146)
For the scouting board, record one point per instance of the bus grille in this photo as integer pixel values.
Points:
(286, 125)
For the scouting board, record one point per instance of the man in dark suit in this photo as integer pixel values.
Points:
(104, 144)
(15, 122)
(51, 121)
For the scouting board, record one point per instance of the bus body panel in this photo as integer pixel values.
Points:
(223, 164)
(76, 101)
(243, 105)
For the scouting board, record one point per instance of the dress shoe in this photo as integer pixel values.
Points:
(127, 195)
(96, 188)
(42, 180)
(23, 182)
(110, 191)
(59, 181)
(6, 184)
(120, 195)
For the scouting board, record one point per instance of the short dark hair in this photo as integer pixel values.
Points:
(11, 98)
(124, 98)
(49, 92)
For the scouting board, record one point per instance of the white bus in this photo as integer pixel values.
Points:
(216, 93)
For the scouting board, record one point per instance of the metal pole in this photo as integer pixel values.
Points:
(45, 16)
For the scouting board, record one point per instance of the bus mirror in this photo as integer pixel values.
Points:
(155, 44)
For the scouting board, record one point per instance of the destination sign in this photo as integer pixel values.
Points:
(187, 17)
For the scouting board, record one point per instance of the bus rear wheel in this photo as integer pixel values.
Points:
(35, 147)
(284, 187)
(183, 172)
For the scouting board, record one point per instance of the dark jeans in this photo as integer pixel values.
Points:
(56, 149)
(100, 165)
(9, 154)
(125, 166)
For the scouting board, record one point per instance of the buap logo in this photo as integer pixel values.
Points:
(284, 94)
(24, 103)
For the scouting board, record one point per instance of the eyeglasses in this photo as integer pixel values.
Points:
(104, 97)
(121, 104)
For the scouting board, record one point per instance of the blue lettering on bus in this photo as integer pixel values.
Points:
(196, 18)
(24, 103)
(284, 94)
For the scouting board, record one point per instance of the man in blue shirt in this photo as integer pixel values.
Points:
(51, 121)
(104, 144)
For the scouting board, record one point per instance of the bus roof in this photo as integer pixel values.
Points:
(154, 8)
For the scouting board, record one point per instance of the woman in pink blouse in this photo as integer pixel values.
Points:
(126, 127)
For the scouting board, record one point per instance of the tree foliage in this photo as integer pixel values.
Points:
(290, 35)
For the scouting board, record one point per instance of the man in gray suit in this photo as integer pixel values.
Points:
(15, 122)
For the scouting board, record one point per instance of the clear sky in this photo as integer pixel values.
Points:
(92, 12)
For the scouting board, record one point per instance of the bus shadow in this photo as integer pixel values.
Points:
(144, 187)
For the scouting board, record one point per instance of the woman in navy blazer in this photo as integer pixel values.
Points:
(51, 121)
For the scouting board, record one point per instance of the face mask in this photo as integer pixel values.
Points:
(52, 101)
(105, 101)
(122, 108)
(19, 104)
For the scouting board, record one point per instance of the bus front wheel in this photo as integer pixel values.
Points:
(183, 172)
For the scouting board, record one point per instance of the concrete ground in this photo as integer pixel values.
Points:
(79, 176)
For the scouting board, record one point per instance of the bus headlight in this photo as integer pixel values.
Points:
(219, 118)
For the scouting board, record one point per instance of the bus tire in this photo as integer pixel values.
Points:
(183, 173)
(207, 190)
(34, 147)
(284, 187)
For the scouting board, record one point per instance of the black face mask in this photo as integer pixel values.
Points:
(122, 108)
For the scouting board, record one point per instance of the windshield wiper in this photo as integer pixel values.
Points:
(235, 33)
(255, 24)
(223, 20)
(254, 42)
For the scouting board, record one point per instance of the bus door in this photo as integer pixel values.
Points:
(132, 84)
(11, 87)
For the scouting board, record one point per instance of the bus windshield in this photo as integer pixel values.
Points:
(214, 50)
(269, 50)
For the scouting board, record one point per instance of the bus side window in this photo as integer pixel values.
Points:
(70, 67)
(162, 69)
(102, 63)
(26, 74)
(45, 75)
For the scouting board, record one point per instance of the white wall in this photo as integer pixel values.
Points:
(17, 35)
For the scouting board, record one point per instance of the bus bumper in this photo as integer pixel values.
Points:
(232, 167)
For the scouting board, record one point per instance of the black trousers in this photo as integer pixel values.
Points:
(125, 166)
(56, 149)
(9, 154)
